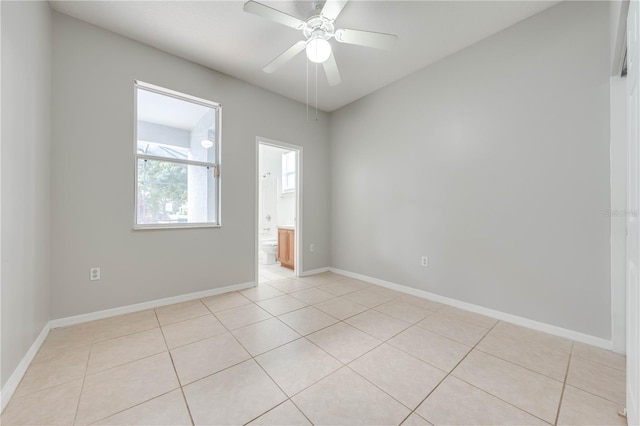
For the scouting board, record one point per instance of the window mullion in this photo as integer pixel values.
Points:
(176, 160)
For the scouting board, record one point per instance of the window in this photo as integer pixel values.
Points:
(177, 151)
(288, 172)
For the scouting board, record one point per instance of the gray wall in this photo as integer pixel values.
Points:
(494, 162)
(26, 173)
(93, 167)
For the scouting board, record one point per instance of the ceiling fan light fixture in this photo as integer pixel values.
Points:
(318, 50)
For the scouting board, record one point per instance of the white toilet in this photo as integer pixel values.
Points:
(270, 249)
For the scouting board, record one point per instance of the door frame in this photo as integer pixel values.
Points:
(298, 252)
(633, 226)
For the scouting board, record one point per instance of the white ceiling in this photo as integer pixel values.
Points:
(221, 36)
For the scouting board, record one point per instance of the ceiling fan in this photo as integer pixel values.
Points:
(318, 30)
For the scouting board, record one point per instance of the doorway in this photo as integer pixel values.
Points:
(278, 201)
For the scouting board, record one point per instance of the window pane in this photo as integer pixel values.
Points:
(290, 182)
(171, 193)
(175, 128)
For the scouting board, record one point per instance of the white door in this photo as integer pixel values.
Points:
(633, 224)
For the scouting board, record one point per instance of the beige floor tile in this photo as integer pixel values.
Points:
(378, 325)
(342, 287)
(289, 285)
(112, 352)
(403, 311)
(540, 352)
(51, 406)
(285, 273)
(343, 341)
(438, 351)
(307, 320)
(62, 339)
(263, 279)
(312, 296)
(261, 292)
(402, 376)
(390, 292)
(122, 387)
(423, 303)
(598, 379)
(264, 336)
(281, 305)
(461, 331)
(369, 298)
(530, 391)
(322, 278)
(285, 414)
(169, 409)
(340, 308)
(602, 356)
(225, 301)
(297, 365)
(582, 408)
(332, 276)
(234, 396)
(181, 311)
(122, 325)
(242, 315)
(415, 420)
(471, 317)
(67, 366)
(193, 330)
(344, 398)
(206, 357)
(455, 402)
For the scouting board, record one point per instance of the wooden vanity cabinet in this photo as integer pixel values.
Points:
(286, 244)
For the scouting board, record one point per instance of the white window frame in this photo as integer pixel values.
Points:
(286, 173)
(215, 166)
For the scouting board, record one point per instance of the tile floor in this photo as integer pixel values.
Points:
(324, 349)
(273, 272)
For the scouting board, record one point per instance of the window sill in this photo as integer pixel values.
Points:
(174, 226)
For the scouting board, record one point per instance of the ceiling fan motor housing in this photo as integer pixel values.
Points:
(318, 27)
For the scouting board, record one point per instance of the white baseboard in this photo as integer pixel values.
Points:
(78, 319)
(12, 384)
(315, 271)
(514, 319)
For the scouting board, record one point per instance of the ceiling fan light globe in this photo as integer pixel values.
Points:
(318, 50)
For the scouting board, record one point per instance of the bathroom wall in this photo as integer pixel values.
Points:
(280, 207)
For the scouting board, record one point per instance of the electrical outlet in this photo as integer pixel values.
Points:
(94, 274)
(425, 261)
(312, 248)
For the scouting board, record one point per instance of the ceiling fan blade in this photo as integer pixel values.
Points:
(331, 70)
(273, 14)
(366, 38)
(285, 57)
(332, 9)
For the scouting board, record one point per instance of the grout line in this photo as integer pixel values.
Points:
(252, 358)
(447, 375)
(564, 384)
(84, 378)
(173, 364)
(133, 406)
(335, 297)
(520, 365)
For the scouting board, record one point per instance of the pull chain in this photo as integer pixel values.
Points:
(316, 92)
(307, 61)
